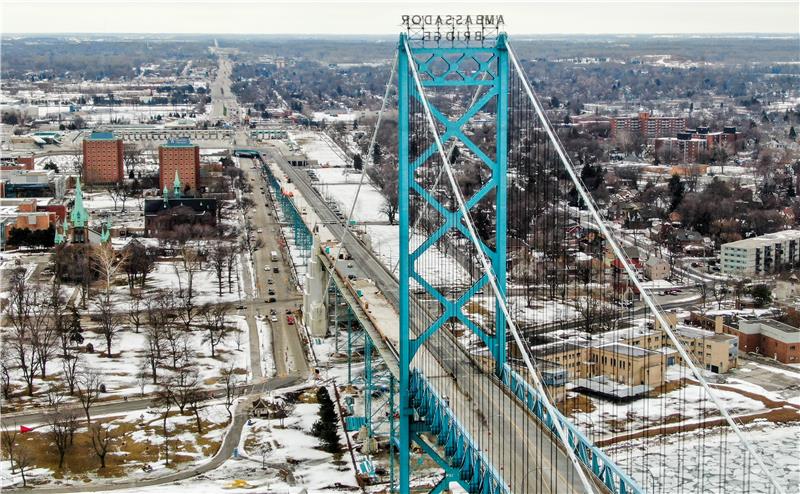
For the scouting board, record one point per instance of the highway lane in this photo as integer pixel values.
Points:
(288, 345)
(530, 461)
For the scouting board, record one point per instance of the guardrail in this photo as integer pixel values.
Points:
(590, 455)
(466, 463)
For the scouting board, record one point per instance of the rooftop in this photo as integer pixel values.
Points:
(627, 350)
(766, 239)
(780, 326)
(179, 143)
(691, 332)
(101, 136)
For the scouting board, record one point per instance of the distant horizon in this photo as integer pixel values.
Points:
(383, 18)
(763, 34)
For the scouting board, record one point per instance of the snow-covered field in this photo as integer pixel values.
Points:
(341, 185)
(705, 469)
(690, 402)
(317, 149)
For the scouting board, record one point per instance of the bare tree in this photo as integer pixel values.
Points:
(70, 364)
(131, 157)
(164, 403)
(219, 257)
(102, 438)
(88, 385)
(160, 312)
(109, 321)
(19, 313)
(229, 379)
(719, 292)
(107, 265)
(135, 313)
(5, 372)
(183, 383)
(8, 440)
(216, 329)
(24, 460)
(142, 376)
(195, 403)
(589, 308)
(233, 253)
(43, 333)
(59, 434)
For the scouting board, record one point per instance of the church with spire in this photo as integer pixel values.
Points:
(174, 208)
(76, 229)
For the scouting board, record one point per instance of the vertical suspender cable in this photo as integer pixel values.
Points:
(487, 268)
(587, 199)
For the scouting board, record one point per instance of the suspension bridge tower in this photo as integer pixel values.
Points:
(436, 65)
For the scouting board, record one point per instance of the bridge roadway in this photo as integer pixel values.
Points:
(525, 454)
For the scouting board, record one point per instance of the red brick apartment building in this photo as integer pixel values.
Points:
(689, 144)
(767, 337)
(102, 159)
(647, 125)
(182, 156)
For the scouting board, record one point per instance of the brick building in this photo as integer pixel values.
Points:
(17, 163)
(647, 125)
(102, 159)
(28, 214)
(183, 157)
(690, 144)
(772, 339)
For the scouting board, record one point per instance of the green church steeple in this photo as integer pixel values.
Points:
(176, 186)
(105, 233)
(79, 215)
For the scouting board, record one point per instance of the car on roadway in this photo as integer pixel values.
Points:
(240, 307)
(275, 269)
(259, 231)
(274, 318)
(289, 320)
(271, 291)
(269, 281)
(266, 268)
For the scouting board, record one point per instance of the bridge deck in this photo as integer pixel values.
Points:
(517, 445)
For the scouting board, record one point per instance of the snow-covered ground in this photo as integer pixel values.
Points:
(703, 467)
(341, 185)
(316, 148)
(139, 429)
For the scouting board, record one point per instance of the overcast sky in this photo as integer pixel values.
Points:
(377, 17)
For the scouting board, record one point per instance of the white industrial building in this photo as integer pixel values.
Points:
(770, 253)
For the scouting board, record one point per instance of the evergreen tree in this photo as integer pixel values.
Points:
(676, 190)
(377, 154)
(326, 428)
(792, 133)
(358, 162)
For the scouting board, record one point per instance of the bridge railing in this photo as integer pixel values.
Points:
(590, 455)
(466, 463)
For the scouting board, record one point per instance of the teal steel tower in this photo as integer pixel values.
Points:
(454, 67)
